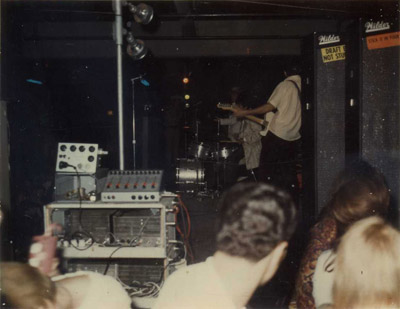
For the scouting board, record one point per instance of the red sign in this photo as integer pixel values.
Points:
(383, 40)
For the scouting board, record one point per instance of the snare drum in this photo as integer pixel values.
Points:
(199, 150)
(189, 176)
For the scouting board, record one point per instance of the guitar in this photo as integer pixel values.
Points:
(232, 108)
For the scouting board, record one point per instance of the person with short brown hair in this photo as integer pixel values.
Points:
(256, 221)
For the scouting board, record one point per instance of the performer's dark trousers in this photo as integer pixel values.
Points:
(277, 162)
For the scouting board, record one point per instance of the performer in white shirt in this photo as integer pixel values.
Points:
(278, 154)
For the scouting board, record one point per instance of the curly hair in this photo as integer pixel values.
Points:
(253, 219)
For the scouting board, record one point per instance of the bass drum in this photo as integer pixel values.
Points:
(190, 176)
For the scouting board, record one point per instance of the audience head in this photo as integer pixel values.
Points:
(254, 218)
(367, 270)
(359, 192)
(25, 286)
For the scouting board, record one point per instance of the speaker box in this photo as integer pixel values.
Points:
(379, 93)
(323, 116)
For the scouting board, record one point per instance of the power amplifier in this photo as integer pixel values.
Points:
(133, 186)
(129, 272)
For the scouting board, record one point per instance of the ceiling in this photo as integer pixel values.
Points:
(65, 29)
(218, 9)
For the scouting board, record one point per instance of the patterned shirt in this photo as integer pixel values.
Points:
(322, 237)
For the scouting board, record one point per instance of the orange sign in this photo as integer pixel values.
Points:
(383, 40)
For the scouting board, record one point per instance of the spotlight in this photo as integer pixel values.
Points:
(142, 13)
(136, 48)
(185, 80)
(187, 97)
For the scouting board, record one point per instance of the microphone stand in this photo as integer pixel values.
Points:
(119, 42)
(133, 120)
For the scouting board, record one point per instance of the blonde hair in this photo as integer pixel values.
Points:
(367, 270)
(25, 286)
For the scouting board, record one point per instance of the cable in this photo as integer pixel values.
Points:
(288, 6)
(185, 234)
(185, 228)
(187, 215)
(73, 11)
(130, 245)
(109, 260)
(140, 232)
(80, 234)
(146, 289)
(79, 196)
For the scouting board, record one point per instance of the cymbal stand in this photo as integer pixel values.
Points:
(196, 134)
(254, 175)
(186, 133)
(217, 153)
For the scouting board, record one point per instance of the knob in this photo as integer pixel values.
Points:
(73, 148)
(90, 158)
(63, 148)
(82, 148)
(91, 149)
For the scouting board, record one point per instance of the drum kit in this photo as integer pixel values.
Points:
(203, 170)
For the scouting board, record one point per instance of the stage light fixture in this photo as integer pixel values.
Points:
(136, 48)
(142, 13)
(185, 80)
(187, 97)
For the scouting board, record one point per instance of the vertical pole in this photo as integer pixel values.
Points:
(118, 39)
(133, 123)
(145, 149)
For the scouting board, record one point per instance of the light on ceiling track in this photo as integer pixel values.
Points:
(142, 13)
(136, 48)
